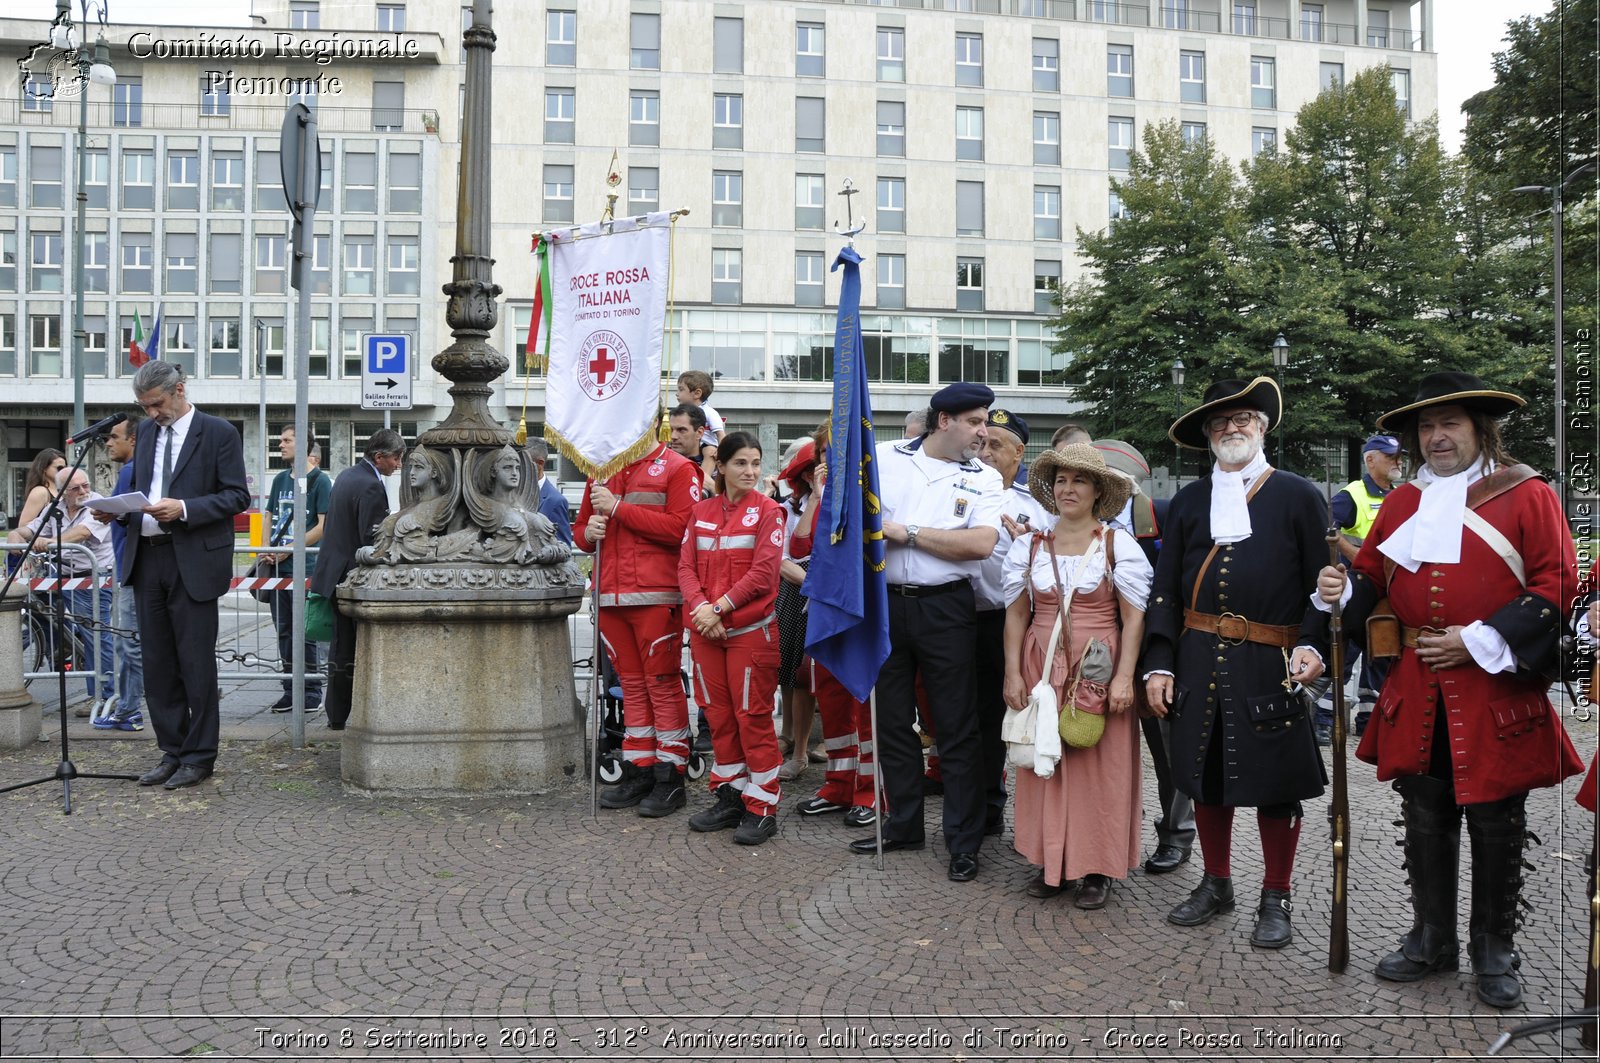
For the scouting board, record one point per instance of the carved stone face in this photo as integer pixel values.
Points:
(418, 473)
(508, 471)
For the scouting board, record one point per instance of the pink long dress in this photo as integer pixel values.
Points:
(1085, 819)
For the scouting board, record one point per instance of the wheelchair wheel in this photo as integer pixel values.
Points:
(609, 768)
(697, 765)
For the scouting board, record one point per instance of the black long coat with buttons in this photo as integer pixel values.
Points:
(1238, 738)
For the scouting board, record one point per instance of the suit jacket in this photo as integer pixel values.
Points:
(208, 476)
(358, 505)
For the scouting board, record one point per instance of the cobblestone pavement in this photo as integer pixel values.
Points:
(269, 914)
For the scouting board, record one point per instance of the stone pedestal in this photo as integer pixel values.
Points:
(19, 712)
(463, 679)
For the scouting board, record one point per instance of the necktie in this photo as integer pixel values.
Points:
(166, 466)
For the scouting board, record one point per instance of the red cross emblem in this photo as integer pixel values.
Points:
(602, 364)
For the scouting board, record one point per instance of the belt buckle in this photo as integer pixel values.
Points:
(1230, 640)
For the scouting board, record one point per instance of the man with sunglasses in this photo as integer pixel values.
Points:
(1229, 637)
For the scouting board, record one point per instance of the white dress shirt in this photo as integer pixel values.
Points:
(179, 430)
(931, 493)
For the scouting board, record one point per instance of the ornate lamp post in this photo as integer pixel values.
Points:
(1280, 359)
(1178, 370)
(94, 68)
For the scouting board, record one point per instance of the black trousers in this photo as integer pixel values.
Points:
(938, 636)
(991, 705)
(179, 635)
(341, 669)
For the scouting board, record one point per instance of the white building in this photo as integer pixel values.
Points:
(980, 134)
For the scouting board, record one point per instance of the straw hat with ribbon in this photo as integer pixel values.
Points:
(1114, 489)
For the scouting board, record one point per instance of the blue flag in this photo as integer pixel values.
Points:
(847, 627)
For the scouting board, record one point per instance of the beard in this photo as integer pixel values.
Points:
(1237, 450)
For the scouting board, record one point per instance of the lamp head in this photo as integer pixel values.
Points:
(102, 72)
(1280, 351)
(1178, 369)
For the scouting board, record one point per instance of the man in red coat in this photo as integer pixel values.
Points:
(1475, 560)
(640, 514)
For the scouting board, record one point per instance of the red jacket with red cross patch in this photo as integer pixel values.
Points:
(733, 549)
(638, 563)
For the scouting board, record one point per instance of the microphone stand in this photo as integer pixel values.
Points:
(65, 771)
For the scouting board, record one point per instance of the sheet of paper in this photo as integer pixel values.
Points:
(133, 502)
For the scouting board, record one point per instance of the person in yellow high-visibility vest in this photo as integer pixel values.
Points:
(1354, 508)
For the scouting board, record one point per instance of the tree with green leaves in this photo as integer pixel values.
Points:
(1170, 280)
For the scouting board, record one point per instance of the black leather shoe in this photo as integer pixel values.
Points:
(1495, 962)
(1042, 889)
(1208, 900)
(1092, 892)
(1423, 951)
(187, 775)
(159, 774)
(963, 867)
(994, 826)
(1272, 921)
(869, 845)
(1166, 858)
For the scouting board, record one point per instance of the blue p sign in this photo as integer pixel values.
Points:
(386, 354)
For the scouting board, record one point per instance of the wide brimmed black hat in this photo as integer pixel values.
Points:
(1451, 389)
(1259, 394)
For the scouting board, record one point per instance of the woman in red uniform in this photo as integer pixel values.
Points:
(728, 571)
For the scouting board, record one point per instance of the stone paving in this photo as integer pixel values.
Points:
(270, 914)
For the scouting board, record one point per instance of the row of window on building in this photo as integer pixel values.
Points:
(221, 355)
(362, 188)
(811, 56)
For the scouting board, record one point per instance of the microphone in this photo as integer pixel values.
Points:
(98, 428)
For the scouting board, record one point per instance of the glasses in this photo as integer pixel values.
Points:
(1238, 420)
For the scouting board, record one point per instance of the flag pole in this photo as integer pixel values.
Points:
(877, 775)
(596, 684)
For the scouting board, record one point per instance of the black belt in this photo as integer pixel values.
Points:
(163, 539)
(912, 590)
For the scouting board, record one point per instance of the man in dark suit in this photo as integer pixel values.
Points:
(359, 503)
(191, 466)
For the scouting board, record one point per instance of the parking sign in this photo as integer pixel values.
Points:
(386, 372)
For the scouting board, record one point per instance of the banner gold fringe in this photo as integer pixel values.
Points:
(645, 444)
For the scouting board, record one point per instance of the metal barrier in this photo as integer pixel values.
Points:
(40, 579)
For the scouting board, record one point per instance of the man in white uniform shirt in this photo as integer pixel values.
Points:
(941, 510)
(1002, 452)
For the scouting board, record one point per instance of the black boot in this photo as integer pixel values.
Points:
(635, 783)
(1433, 854)
(1498, 831)
(727, 813)
(667, 795)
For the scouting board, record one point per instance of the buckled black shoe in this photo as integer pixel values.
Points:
(1207, 901)
(1422, 952)
(1272, 921)
(963, 867)
(1166, 858)
(1495, 961)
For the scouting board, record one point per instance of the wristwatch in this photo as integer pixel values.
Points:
(912, 531)
(715, 608)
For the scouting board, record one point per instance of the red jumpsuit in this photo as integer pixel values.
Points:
(641, 615)
(736, 550)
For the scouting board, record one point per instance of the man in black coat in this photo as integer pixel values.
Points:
(1230, 629)
(191, 466)
(359, 503)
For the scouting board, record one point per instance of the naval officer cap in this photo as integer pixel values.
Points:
(961, 397)
(1011, 423)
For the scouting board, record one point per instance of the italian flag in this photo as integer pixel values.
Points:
(140, 352)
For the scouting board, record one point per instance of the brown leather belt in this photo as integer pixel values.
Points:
(1236, 629)
(1408, 635)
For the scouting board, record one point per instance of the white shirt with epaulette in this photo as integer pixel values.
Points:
(1019, 503)
(930, 493)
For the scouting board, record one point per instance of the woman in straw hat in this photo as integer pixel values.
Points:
(1083, 822)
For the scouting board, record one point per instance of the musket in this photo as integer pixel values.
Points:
(1338, 928)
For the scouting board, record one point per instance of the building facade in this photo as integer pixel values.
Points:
(979, 136)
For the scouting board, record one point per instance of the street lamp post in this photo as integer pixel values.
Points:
(1556, 192)
(1178, 370)
(1280, 360)
(94, 68)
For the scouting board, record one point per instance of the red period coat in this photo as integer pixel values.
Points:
(1504, 736)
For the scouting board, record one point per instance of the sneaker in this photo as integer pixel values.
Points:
(754, 829)
(132, 722)
(104, 723)
(312, 710)
(283, 704)
(860, 816)
(819, 806)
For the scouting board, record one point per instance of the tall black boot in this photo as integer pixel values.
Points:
(630, 790)
(1433, 855)
(1498, 831)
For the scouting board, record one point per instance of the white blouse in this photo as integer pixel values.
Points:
(1081, 572)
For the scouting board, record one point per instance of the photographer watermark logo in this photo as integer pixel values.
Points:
(48, 73)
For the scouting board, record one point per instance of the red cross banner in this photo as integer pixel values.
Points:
(608, 308)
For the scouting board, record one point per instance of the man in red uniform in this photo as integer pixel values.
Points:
(640, 514)
(1476, 560)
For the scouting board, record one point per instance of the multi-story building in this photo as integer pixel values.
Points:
(979, 134)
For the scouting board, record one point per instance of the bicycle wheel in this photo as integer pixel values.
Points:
(35, 647)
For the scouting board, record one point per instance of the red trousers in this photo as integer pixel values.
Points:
(735, 681)
(847, 736)
(645, 644)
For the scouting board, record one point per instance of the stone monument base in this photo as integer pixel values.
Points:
(463, 681)
(19, 712)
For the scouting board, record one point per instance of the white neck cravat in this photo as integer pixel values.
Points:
(1230, 513)
(1433, 532)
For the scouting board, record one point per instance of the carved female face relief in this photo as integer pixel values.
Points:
(418, 471)
(508, 470)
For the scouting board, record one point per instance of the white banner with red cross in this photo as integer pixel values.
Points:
(607, 309)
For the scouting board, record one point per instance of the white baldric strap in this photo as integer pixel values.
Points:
(1498, 543)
